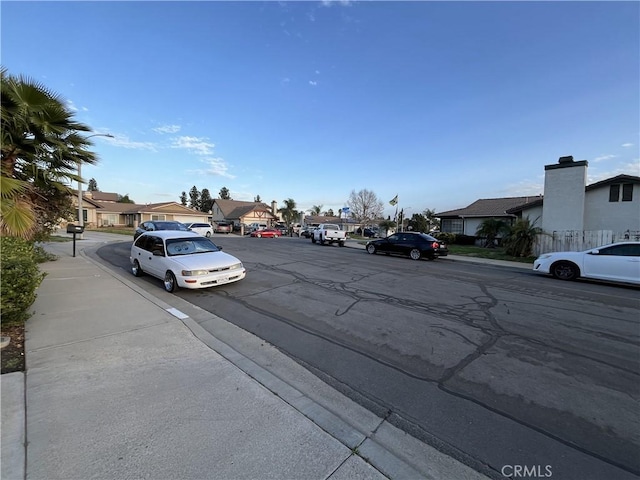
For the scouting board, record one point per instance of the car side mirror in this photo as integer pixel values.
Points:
(594, 252)
(158, 253)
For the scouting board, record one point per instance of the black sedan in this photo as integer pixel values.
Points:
(415, 245)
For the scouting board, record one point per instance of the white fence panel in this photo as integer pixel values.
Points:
(574, 240)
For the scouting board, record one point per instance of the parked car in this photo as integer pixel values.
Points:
(368, 232)
(619, 262)
(266, 233)
(255, 227)
(282, 228)
(307, 230)
(415, 245)
(183, 259)
(155, 225)
(204, 229)
(223, 227)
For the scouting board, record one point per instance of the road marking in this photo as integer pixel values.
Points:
(177, 313)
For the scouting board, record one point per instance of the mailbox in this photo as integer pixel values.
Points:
(71, 228)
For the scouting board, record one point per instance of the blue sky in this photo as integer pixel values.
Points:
(441, 103)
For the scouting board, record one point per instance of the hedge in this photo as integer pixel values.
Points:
(19, 279)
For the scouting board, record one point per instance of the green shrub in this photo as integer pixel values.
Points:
(465, 240)
(19, 279)
(446, 237)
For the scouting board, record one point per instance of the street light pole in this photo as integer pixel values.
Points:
(80, 216)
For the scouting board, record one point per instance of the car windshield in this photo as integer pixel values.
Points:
(189, 246)
(429, 238)
(171, 226)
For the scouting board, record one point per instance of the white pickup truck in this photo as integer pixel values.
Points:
(329, 233)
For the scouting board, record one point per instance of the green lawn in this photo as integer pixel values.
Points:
(481, 252)
(119, 230)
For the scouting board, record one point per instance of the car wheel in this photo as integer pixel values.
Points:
(415, 254)
(136, 270)
(313, 239)
(275, 236)
(321, 241)
(258, 235)
(341, 244)
(565, 271)
(371, 249)
(169, 281)
(208, 234)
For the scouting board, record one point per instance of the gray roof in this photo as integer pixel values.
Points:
(489, 207)
(236, 209)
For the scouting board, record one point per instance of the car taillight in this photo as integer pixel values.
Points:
(435, 245)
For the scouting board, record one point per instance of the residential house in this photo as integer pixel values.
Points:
(465, 221)
(101, 209)
(348, 224)
(591, 215)
(239, 212)
(577, 216)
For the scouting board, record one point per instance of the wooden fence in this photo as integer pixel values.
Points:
(578, 240)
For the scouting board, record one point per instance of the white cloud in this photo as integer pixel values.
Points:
(604, 158)
(125, 142)
(312, 83)
(630, 168)
(194, 144)
(524, 188)
(627, 145)
(167, 129)
(329, 3)
(216, 167)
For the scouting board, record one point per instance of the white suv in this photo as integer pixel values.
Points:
(203, 229)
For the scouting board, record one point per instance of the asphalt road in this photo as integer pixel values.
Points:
(496, 366)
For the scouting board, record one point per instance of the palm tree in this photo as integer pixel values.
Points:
(522, 234)
(289, 212)
(316, 209)
(41, 149)
(490, 229)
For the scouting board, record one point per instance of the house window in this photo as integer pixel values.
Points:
(158, 217)
(109, 219)
(452, 225)
(627, 192)
(614, 193)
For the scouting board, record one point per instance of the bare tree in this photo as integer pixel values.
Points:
(365, 206)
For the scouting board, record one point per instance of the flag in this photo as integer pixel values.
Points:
(394, 200)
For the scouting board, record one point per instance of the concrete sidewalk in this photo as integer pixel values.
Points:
(122, 384)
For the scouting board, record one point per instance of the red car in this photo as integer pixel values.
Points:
(267, 233)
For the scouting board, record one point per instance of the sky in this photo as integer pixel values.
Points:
(439, 103)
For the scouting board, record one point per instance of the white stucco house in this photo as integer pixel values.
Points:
(572, 214)
(569, 204)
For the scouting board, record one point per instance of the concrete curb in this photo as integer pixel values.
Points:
(13, 431)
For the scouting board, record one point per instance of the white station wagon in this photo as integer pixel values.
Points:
(183, 259)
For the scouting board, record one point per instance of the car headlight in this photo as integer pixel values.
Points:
(545, 256)
(194, 273)
(236, 266)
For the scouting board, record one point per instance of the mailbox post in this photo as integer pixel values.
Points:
(75, 229)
